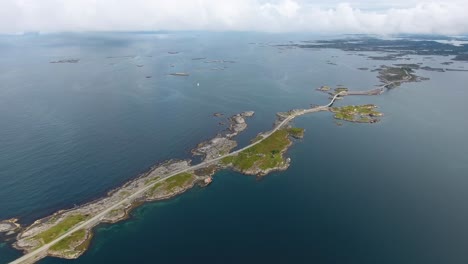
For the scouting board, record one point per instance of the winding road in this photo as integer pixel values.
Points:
(41, 252)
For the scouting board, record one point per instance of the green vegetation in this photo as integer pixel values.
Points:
(257, 138)
(60, 228)
(115, 212)
(357, 113)
(70, 241)
(151, 180)
(266, 154)
(83, 246)
(205, 171)
(324, 88)
(168, 185)
(178, 180)
(296, 132)
(124, 194)
(227, 160)
(396, 74)
(155, 187)
(340, 89)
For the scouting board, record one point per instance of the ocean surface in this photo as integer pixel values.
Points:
(391, 192)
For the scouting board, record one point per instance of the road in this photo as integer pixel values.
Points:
(40, 252)
(380, 89)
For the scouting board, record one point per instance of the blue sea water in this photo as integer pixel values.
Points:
(392, 192)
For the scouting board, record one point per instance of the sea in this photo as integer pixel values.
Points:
(391, 192)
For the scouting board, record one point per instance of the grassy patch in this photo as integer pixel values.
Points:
(395, 74)
(168, 185)
(69, 241)
(115, 212)
(205, 171)
(296, 132)
(60, 228)
(83, 246)
(324, 88)
(227, 160)
(124, 194)
(266, 154)
(178, 180)
(257, 138)
(155, 187)
(341, 89)
(149, 181)
(357, 113)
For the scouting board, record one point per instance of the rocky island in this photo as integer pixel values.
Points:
(183, 74)
(267, 156)
(223, 143)
(357, 113)
(9, 226)
(66, 61)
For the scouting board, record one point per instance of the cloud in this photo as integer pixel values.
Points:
(365, 16)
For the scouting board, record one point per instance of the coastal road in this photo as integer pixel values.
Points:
(380, 89)
(41, 252)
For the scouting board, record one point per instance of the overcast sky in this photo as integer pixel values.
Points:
(326, 16)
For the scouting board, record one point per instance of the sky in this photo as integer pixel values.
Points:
(447, 17)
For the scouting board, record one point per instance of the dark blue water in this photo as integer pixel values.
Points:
(392, 192)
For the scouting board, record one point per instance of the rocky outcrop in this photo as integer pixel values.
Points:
(9, 227)
(223, 143)
(238, 124)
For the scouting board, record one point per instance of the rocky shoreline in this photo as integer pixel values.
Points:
(223, 143)
(8, 227)
(260, 172)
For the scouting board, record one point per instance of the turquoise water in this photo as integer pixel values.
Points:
(392, 192)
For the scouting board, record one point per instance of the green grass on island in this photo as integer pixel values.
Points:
(395, 74)
(71, 241)
(179, 180)
(340, 89)
(168, 185)
(266, 154)
(257, 138)
(296, 132)
(324, 88)
(205, 171)
(60, 228)
(335, 91)
(151, 180)
(357, 113)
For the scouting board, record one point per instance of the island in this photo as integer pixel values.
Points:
(66, 61)
(9, 226)
(266, 156)
(183, 74)
(391, 49)
(357, 113)
(323, 88)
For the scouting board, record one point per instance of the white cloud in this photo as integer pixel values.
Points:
(358, 16)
